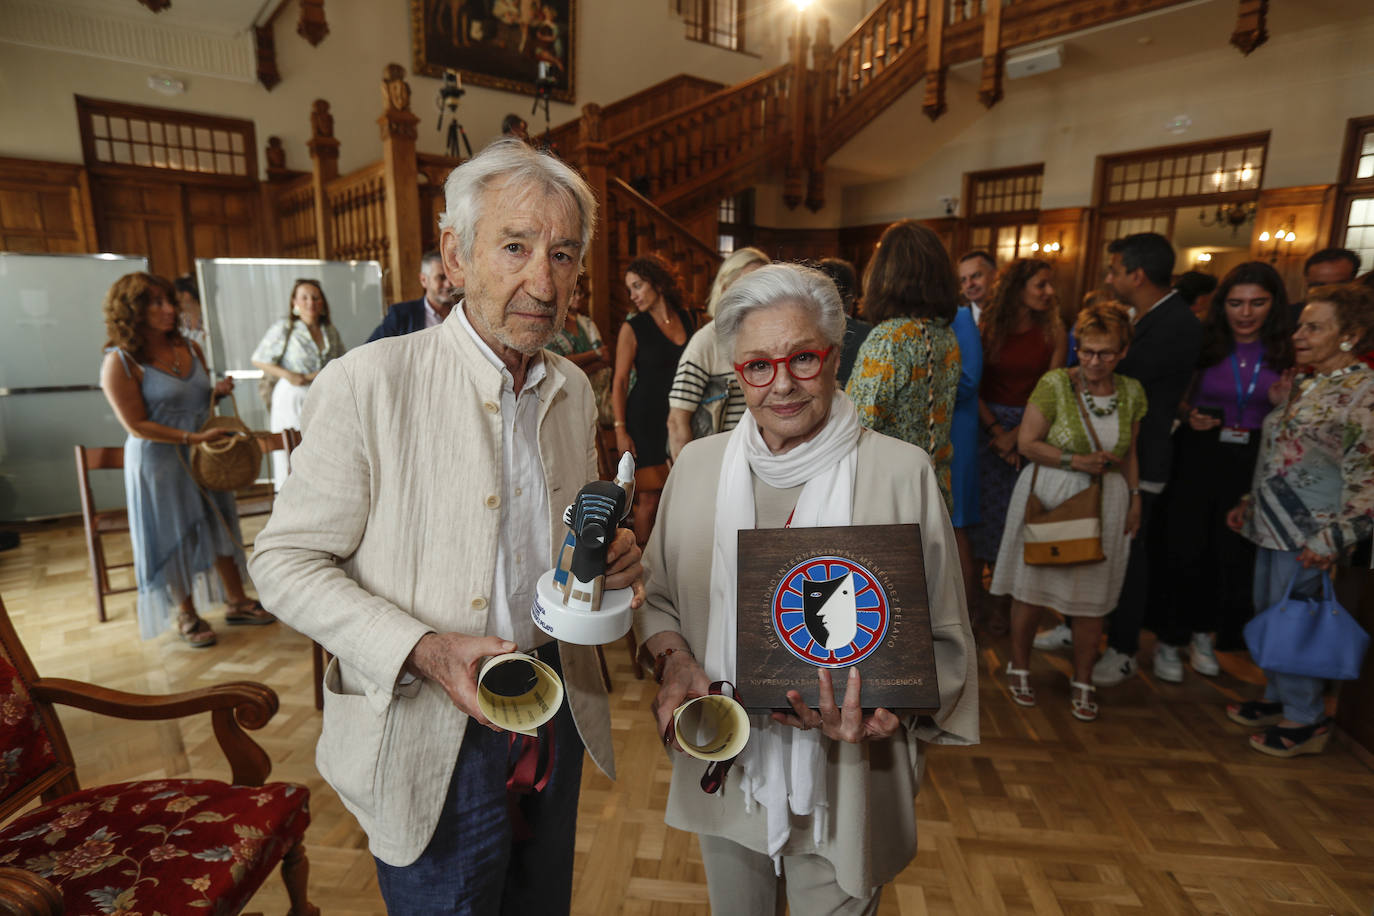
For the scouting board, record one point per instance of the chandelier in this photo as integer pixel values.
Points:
(1234, 214)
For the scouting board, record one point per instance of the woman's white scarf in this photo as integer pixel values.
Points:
(783, 768)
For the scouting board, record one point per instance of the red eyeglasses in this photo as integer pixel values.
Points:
(802, 365)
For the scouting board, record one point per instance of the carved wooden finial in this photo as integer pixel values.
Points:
(156, 6)
(265, 46)
(395, 89)
(821, 49)
(276, 156)
(1250, 30)
(312, 25)
(321, 121)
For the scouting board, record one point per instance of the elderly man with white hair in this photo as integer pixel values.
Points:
(423, 504)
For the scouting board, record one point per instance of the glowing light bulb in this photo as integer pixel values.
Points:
(1289, 237)
(1245, 172)
(1264, 237)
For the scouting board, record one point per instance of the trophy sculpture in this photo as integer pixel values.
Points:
(570, 601)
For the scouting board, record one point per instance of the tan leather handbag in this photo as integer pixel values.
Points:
(1070, 534)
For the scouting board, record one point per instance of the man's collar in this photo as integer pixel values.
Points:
(534, 373)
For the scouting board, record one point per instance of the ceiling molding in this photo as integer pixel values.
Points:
(80, 31)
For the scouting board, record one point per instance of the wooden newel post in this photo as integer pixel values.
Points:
(400, 174)
(593, 157)
(324, 167)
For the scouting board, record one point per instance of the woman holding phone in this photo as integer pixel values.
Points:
(1244, 371)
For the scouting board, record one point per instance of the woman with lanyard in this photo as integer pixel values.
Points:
(1244, 370)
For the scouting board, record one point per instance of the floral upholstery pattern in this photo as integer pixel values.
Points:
(25, 747)
(159, 848)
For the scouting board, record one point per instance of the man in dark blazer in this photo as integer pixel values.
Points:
(1162, 357)
(427, 311)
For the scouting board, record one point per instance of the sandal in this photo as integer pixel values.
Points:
(1277, 741)
(1255, 713)
(1081, 701)
(198, 635)
(1018, 682)
(248, 613)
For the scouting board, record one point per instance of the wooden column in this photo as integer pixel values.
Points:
(990, 86)
(934, 102)
(401, 176)
(593, 156)
(794, 175)
(324, 163)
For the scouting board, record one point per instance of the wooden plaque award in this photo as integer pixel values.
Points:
(834, 598)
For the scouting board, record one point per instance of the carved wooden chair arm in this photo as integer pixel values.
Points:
(24, 893)
(233, 706)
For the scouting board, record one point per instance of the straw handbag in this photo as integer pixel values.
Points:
(228, 463)
(1070, 534)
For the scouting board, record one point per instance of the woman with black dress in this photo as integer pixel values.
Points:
(650, 343)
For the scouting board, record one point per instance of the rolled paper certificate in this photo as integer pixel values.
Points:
(712, 727)
(518, 692)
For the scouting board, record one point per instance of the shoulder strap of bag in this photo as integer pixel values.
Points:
(1083, 412)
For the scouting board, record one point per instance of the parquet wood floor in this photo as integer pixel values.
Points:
(1157, 808)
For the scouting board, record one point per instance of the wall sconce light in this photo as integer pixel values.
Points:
(1049, 249)
(1205, 258)
(1281, 236)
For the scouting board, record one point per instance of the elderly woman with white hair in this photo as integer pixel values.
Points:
(823, 796)
(705, 398)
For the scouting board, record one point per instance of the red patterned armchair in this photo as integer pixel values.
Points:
(165, 846)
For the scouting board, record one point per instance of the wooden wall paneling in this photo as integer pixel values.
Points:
(223, 223)
(1066, 226)
(45, 207)
(797, 244)
(1311, 208)
(135, 217)
(857, 244)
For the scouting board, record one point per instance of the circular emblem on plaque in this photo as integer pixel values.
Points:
(830, 612)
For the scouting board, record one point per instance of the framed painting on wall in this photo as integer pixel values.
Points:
(497, 43)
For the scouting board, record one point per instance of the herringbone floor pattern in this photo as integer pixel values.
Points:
(1158, 808)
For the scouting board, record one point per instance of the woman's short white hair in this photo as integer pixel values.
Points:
(510, 160)
(729, 272)
(776, 285)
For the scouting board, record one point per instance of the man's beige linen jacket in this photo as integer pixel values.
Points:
(386, 530)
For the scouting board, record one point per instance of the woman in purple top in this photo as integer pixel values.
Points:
(1244, 370)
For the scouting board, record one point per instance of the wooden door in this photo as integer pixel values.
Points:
(136, 217)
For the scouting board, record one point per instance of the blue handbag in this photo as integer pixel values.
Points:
(1313, 637)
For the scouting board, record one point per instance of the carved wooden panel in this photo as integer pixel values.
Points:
(1306, 211)
(45, 207)
(224, 223)
(143, 218)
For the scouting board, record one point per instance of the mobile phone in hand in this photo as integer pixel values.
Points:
(1216, 413)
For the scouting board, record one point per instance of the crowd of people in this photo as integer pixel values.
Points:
(1235, 451)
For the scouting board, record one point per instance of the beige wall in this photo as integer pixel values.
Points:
(1302, 86)
(623, 46)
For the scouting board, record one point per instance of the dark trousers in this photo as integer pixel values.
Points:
(473, 865)
(1208, 576)
(1123, 627)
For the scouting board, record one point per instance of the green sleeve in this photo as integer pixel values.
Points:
(1047, 394)
(872, 385)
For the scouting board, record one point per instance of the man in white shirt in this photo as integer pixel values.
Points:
(977, 270)
(425, 500)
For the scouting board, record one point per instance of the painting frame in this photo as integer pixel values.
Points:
(496, 50)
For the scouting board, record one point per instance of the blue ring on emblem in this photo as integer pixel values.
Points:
(871, 605)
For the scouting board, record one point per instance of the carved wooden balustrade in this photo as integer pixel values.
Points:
(432, 171)
(295, 215)
(625, 115)
(357, 216)
(728, 136)
(634, 226)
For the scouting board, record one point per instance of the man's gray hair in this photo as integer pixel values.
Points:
(510, 160)
(775, 285)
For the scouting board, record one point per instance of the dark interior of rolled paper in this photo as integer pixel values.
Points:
(513, 678)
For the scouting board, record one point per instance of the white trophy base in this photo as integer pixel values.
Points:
(581, 627)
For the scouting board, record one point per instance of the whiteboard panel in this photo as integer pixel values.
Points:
(50, 401)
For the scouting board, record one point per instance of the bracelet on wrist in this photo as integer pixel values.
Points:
(1135, 491)
(661, 661)
(619, 424)
(1066, 460)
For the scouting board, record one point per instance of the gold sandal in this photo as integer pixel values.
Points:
(198, 635)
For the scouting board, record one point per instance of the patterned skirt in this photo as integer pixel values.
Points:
(996, 480)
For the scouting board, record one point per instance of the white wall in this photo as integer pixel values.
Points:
(1302, 85)
(623, 46)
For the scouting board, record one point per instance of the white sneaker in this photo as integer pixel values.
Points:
(1061, 637)
(1113, 668)
(1167, 665)
(1201, 657)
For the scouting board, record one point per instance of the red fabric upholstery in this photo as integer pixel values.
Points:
(171, 846)
(25, 748)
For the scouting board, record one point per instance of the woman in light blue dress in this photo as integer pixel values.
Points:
(157, 383)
